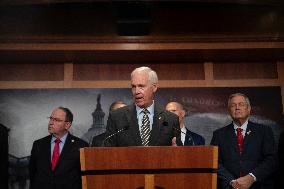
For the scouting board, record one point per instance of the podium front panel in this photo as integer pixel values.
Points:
(173, 167)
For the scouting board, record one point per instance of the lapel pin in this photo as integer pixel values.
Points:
(72, 140)
(248, 132)
(160, 118)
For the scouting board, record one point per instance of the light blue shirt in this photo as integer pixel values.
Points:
(61, 144)
(140, 115)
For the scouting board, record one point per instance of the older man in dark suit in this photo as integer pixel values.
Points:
(247, 153)
(55, 159)
(142, 123)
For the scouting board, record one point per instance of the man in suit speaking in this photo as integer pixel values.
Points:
(247, 153)
(55, 159)
(143, 123)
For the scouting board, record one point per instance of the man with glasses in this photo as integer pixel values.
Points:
(55, 159)
(247, 157)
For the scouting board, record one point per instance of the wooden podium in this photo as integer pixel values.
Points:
(167, 167)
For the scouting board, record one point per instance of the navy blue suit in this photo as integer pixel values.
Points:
(198, 140)
(258, 156)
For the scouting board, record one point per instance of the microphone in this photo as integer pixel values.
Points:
(91, 141)
(115, 133)
(187, 133)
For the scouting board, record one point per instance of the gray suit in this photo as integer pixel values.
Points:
(258, 156)
(163, 129)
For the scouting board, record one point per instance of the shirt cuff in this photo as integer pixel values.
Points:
(254, 178)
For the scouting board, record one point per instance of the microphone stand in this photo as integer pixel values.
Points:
(190, 137)
(113, 134)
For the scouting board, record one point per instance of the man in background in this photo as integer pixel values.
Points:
(187, 137)
(99, 139)
(247, 152)
(4, 156)
(280, 174)
(142, 123)
(55, 159)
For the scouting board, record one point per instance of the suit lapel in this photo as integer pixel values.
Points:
(188, 141)
(131, 116)
(157, 121)
(65, 150)
(48, 151)
(232, 138)
(248, 136)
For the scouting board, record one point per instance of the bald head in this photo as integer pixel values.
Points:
(117, 104)
(177, 109)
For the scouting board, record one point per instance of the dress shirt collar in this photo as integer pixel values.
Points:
(62, 139)
(243, 126)
(150, 109)
(182, 134)
(183, 129)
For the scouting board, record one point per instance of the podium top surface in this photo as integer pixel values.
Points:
(151, 158)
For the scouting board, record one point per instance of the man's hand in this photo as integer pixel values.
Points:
(174, 141)
(235, 184)
(244, 182)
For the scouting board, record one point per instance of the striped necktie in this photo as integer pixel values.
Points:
(145, 128)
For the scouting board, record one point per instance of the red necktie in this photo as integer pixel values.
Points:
(240, 140)
(55, 155)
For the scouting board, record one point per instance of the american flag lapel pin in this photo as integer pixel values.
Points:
(248, 132)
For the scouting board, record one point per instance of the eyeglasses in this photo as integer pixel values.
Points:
(57, 120)
(240, 105)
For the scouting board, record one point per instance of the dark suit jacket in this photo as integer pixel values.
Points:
(280, 174)
(163, 129)
(98, 140)
(3, 157)
(197, 139)
(258, 157)
(67, 174)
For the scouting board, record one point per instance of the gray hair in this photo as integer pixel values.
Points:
(152, 75)
(238, 94)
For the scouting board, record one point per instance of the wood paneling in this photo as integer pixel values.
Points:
(31, 72)
(247, 2)
(230, 71)
(98, 72)
(280, 69)
(166, 18)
